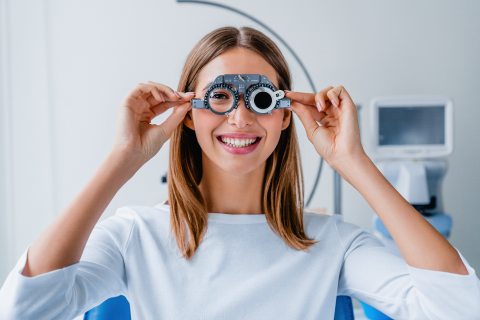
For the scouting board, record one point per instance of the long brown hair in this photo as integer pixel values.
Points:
(283, 187)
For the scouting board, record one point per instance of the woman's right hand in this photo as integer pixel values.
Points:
(136, 141)
(135, 136)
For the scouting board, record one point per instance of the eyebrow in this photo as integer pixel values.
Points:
(209, 84)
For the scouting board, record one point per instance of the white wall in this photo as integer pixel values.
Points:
(65, 66)
(3, 151)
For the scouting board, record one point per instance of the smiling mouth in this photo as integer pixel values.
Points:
(238, 143)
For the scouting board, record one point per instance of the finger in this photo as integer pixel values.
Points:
(140, 90)
(337, 94)
(169, 92)
(177, 116)
(321, 101)
(325, 118)
(307, 98)
(152, 101)
(309, 122)
(155, 97)
(149, 98)
(318, 116)
(158, 96)
(162, 107)
(144, 96)
(185, 96)
(302, 97)
(148, 87)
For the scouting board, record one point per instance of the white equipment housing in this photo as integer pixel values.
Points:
(409, 134)
(411, 127)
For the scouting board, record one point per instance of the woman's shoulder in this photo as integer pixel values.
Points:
(318, 220)
(324, 226)
(128, 218)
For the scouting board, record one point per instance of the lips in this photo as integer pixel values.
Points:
(242, 150)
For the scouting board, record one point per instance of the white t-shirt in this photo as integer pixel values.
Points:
(241, 270)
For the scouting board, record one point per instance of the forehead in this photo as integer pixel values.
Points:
(239, 60)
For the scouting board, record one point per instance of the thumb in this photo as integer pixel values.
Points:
(173, 120)
(308, 121)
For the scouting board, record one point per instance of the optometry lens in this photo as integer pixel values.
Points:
(262, 100)
(221, 100)
(259, 93)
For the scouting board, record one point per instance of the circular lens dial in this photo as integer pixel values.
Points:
(221, 98)
(263, 100)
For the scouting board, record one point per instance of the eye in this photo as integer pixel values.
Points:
(218, 95)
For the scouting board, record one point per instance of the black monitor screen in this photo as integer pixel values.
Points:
(411, 125)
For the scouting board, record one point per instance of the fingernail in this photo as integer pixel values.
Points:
(191, 106)
(319, 107)
(334, 103)
(286, 90)
(176, 93)
(161, 95)
(290, 109)
(191, 93)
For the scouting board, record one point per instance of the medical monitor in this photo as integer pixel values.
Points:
(411, 127)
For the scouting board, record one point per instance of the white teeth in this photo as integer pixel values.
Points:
(238, 143)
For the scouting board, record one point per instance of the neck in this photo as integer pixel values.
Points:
(231, 193)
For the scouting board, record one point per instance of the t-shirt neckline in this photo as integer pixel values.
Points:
(227, 217)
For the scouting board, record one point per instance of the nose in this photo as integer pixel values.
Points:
(241, 116)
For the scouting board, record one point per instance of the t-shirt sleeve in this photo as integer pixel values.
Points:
(69, 292)
(381, 278)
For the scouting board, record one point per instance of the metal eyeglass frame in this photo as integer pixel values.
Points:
(249, 85)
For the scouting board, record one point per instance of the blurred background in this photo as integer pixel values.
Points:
(65, 66)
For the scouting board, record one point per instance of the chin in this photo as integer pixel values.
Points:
(237, 167)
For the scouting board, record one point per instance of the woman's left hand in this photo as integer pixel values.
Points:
(337, 140)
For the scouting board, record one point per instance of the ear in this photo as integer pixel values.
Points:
(287, 115)
(188, 120)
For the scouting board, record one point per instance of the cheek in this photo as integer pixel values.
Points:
(272, 125)
(205, 123)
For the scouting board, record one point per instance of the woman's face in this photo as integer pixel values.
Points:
(241, 123)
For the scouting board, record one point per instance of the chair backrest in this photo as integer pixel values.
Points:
(118, 308)
(344, 308)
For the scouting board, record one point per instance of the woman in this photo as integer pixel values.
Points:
(242, 248)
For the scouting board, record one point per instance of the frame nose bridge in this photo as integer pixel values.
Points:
(242, 105)
(241, 112)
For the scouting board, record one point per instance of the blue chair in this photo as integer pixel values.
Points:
(118, 308)
(372, 313)
(344, 308)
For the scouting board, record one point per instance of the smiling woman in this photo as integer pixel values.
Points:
(212, 174)
(243, 246)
